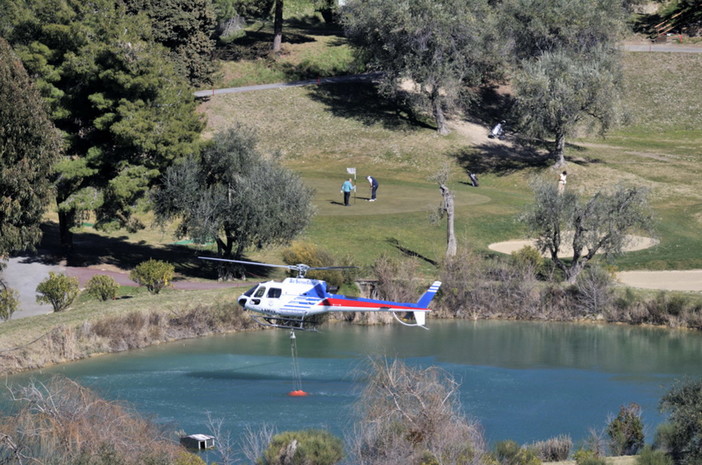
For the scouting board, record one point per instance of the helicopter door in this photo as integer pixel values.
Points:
(272, 300)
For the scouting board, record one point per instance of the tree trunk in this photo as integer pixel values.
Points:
(559, 153)
(450, 231)
(278, 26)
(66, 222)
(438, 111)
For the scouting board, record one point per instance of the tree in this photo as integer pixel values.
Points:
(235, 196)
(58, 290)
(9, 302)
(625, 432)
(565, 54)
(278, 26)
(560, 92)
(412, 415)
(29, 146)
(124, 109)
(684, 405)
(441, 46)
(186, 28)
(446, 208)
(600, 224)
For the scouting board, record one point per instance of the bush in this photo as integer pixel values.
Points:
(594, 292)
(650, 456)
(153, 274)
(588, 457)
(528, 257)
(308, 447)
(625, 432)
(553, 450)
(9, 303)
(102, 287)
(413, 416)
(58, 290)
(510, 453)
(684, 436)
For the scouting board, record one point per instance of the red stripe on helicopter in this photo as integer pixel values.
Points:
(364, 304)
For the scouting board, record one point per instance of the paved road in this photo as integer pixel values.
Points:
(629, 47)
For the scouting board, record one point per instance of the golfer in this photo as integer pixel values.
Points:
(373, 186)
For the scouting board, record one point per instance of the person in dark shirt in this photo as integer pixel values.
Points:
(373, 186)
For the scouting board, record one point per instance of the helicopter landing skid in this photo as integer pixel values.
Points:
(294, 324)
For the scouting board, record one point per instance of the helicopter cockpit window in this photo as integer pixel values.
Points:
(260, 291)
(250, 291)
(274, 292)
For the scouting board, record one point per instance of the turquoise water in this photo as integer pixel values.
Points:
(521, 381)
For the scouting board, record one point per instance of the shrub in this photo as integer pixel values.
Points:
(684, 402)
(651, 456)
(510, 453)
(58, 290)
(308, 447)
(528, 257)
(153, 274)
(553, 450)
(102, 287)
(625, 432)
(9, 302)
(410, 415)
(588, 457)
(594, 291)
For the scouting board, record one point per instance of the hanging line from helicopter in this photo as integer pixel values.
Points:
(296, 375)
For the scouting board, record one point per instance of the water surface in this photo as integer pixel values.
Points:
(522, 381)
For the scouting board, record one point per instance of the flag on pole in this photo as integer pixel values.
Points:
(351, 171)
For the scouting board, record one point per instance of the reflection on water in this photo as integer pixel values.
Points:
(522, 381)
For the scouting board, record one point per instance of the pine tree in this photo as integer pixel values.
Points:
(29, 145)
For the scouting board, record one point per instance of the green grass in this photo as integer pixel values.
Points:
(321, 130)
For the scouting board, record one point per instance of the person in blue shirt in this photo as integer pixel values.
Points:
(346, 189)
(374, 187)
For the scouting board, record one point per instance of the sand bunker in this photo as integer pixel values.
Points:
(508, 247)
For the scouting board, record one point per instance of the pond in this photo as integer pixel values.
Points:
(521, 380)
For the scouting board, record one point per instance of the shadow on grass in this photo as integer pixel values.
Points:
(361, 101)
(500, 159)
(408, 252)
(94, 249)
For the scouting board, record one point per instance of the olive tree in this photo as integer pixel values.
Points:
(599, 224)
(413, 415)
(565, 56)
(234, 195)
(440, 46)
(561, 92)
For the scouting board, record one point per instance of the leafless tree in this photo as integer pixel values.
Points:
(411, 415)
(446, 208)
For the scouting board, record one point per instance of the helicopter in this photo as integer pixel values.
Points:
(299, 303)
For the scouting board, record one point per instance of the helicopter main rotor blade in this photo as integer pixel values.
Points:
(331, 267)
(290, 267)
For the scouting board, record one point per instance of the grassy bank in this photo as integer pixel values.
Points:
(134, 321)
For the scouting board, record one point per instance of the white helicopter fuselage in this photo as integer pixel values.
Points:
(295, 299)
